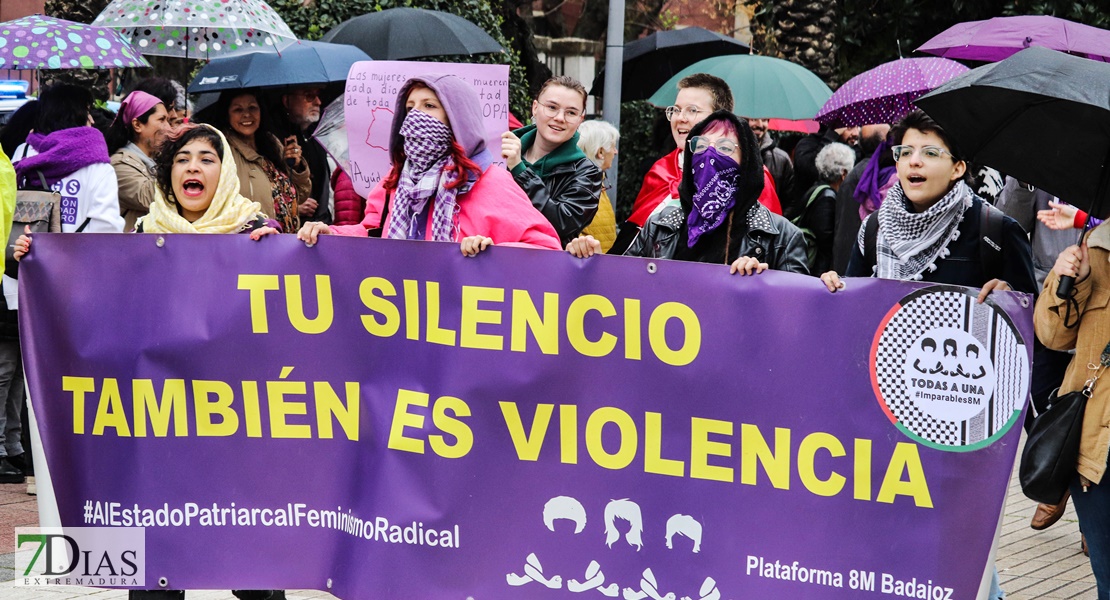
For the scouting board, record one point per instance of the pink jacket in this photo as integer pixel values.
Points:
(495, 207)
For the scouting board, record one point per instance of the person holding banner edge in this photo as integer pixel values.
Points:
(197, 191)
(442, 185)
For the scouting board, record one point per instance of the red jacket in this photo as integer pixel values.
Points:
(661, 182)
(495, 207)
(349, 206)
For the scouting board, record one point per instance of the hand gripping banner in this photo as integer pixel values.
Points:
(390, 419)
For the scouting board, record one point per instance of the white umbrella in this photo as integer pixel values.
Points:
(196, 28)
(331, 132)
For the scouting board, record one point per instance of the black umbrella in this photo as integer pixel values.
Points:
(651, 61)
(401, 33)
(1041, 116)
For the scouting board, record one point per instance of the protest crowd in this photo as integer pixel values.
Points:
(896, 200)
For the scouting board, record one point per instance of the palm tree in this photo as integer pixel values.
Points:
(801, 31)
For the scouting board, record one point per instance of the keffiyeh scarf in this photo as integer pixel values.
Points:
(426, 175)
(908, 243)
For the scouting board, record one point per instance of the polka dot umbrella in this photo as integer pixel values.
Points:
(887, 92)
(39, 42)
(200, 29)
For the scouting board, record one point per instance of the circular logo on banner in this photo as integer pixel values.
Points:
(949, 372)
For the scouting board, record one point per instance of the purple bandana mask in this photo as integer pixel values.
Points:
(715, 177)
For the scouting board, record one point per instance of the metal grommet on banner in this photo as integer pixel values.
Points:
(329, 583)
(651, 267)
(1024, 302)
(160, 242)
(163, 582)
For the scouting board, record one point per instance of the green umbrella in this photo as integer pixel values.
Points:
(762, 86)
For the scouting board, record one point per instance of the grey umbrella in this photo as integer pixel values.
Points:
(401, 33)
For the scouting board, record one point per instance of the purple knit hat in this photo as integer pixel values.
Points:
(464, 115)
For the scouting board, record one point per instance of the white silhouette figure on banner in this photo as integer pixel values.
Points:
(595, 580)
(564, 507)
(533, 571)
(686, 526)
(569, 508)
(708, 591)
(626, 510)
(649, 588)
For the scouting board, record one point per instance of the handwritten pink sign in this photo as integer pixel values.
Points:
(371, 95)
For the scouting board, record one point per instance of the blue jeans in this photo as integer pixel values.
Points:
(996, 592)
(1093, 508)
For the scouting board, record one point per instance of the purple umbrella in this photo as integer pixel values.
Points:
(886, 93)
(38, 42)
(995, 39)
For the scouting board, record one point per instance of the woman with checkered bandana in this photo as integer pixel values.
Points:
(442, 184)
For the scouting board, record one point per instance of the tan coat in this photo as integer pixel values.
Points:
(136, 186)
(253, 183)
(1089, 339)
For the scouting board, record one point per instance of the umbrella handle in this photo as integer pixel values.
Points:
(1063, 288)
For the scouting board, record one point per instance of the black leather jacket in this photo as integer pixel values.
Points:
(567, 197)
(768, 238)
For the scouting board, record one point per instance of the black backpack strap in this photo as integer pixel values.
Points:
(871, 239)
(816, 193)
(991, 222)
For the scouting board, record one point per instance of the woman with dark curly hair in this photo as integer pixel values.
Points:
(196, 191)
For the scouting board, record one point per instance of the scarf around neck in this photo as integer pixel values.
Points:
(427, 172)
(63, 152)
(229, 212)
(715, 180)
(909, 243)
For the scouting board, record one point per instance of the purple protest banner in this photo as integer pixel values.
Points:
(385, 418)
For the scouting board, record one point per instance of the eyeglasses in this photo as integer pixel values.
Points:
(699, 144)
(552, 111)
(929, 153)
(690, 112)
